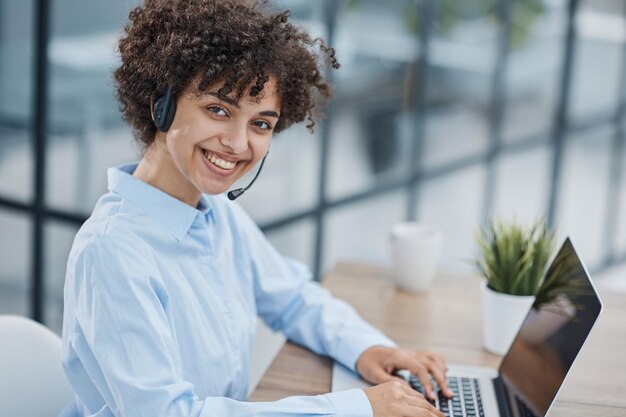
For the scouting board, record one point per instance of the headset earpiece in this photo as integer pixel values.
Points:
(164, 110)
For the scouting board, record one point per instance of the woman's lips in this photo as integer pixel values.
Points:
(211, 162)
(219, 161)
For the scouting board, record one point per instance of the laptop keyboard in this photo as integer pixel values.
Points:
(466, 401)
(522, 410)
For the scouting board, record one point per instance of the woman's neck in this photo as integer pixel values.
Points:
(158, 169)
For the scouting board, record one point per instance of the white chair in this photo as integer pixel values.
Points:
(32, 382)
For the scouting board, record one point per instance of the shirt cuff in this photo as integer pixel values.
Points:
(352, 348)
(350, 403)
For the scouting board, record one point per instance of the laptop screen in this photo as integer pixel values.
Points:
(551, 336)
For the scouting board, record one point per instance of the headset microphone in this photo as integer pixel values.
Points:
(232, 195)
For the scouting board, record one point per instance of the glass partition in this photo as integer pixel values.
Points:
(521, 192)
(370, 136)
(462, 59)
(86, 133)
(453, 204)
(583, 195)
(15, 263)
(534, 69)
(16, 92)
(360, 232)
(601, 31)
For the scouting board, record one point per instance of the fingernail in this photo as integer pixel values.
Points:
(431, 395)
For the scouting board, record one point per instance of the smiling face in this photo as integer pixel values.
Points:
(212, 142)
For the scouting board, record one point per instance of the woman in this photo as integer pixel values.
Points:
(166, 278)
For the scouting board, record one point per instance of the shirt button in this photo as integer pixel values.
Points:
(206, 259)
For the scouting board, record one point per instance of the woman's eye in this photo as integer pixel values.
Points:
(263, 125)
(217, 110)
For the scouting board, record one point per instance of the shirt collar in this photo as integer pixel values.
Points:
(174, 215)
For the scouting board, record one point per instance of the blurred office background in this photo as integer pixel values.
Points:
(445, 112)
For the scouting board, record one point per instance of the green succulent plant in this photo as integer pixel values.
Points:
(514, 258)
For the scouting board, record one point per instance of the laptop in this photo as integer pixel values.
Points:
(535, 367)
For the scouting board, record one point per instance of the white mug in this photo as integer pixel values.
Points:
(415, 251)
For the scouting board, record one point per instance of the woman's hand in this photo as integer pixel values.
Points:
(378, 364)
(398, 399)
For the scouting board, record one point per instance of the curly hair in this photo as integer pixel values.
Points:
(238, 43)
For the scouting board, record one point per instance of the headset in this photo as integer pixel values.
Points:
(236, 193)
(164, 110)
(163, 113)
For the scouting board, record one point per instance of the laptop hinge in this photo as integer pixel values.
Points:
(502, 397)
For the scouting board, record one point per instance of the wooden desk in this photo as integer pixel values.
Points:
(448, 319)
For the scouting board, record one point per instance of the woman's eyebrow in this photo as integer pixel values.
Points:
(269, 113)
(225, 99)
(235, 104)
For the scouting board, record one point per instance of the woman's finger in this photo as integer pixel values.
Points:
(379, 376)
(422, 374)
(424, 409)
(442, 380)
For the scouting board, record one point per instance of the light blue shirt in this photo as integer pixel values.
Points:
(161, 301)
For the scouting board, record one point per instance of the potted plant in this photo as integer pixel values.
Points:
(513, 261)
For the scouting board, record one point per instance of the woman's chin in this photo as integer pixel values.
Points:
(213, 186)
(213, 190)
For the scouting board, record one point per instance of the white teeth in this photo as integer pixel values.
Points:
(219, 162)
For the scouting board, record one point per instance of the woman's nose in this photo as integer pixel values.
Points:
(235, 139)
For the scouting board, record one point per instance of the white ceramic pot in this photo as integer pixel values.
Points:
(503, 315)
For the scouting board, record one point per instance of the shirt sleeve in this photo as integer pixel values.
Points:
(303, 310)
(126, 346)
